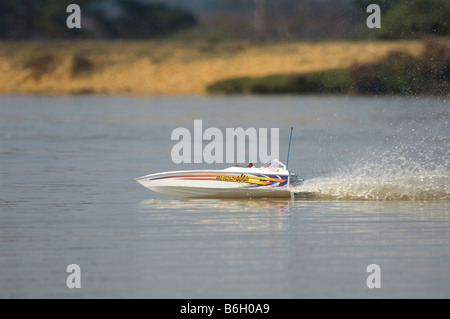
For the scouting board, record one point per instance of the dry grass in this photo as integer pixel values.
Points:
(168, 67)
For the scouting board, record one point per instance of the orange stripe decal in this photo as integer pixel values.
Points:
(242, 178)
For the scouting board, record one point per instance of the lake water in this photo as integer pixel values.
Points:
(378, 167)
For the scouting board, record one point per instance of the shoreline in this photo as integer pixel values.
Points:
(169, 67)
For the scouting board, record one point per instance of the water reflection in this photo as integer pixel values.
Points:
(219, 215)
(215, 205)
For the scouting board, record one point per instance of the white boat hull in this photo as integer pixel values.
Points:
(234, 182)
(202, 192)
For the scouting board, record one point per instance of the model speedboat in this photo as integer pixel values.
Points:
(271, 180)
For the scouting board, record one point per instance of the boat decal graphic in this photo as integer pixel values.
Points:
(271, 179)
(263, 180)
(185, 176)
(241, 179)
(252, 179)
(233, 178)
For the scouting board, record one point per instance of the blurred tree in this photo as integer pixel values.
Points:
(413, 18)
(138, 19)
(288, 19)
(21, 19)
(51, 20)
(384, 4)
(259, 16)
(17, 18)
(259, 12)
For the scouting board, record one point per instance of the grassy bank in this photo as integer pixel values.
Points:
(398, 72)
(171, 67)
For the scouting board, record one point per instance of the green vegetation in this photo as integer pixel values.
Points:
(332, 81)
(397, 73)
(384, 4)
(415, 18)
(410, 19)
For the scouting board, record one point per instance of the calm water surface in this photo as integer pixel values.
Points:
(378, 167)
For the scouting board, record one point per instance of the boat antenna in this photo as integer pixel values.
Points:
(289, 149)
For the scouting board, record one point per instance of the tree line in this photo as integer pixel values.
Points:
(35, 19)
(267, 19)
